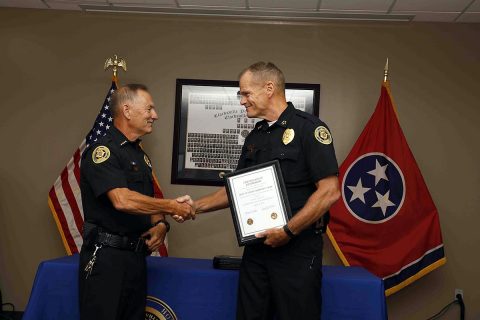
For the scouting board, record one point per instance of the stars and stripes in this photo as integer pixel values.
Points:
(64, 198)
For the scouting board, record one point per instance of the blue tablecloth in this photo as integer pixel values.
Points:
(192, 289)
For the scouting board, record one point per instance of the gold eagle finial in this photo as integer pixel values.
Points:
(115, 62)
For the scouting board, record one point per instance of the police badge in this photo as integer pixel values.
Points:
(288, 136)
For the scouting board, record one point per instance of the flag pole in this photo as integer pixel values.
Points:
(385, 72)
(114, 62)
(386, 84)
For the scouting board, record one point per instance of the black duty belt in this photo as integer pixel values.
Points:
(321, 225)
(122, 242)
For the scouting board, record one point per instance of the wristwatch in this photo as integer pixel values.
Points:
(165, 222)
(288, 231)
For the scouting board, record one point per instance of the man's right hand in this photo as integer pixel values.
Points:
(185, 209)
(185, 200)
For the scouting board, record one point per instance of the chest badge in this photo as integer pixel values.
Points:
(323, 135)
(100, 154)
(147, 160)
(288, 136)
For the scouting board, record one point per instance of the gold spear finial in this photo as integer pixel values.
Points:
(385, 72)
(115, 62)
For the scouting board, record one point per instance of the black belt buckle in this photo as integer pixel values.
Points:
(105, 238)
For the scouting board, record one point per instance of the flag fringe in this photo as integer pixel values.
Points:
(416, 276)
(59, 226)
(402, 284)
(337, 248)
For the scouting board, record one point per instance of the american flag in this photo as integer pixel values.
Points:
(64, 198)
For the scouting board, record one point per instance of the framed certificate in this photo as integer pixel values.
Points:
(211, 126)
(258, 200)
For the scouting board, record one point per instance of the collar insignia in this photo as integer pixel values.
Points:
(147, 160)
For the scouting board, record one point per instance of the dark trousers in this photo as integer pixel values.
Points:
(116, 288)
(282, 283)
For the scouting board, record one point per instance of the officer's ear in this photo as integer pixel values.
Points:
(126, 111)
(270, 87)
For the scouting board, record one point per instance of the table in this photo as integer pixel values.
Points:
(348, 292)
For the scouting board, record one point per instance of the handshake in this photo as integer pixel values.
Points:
(184, 209)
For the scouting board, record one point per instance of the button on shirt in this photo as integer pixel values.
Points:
(304, 160)
(122, 164)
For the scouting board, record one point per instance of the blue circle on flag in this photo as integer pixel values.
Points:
(373, 188)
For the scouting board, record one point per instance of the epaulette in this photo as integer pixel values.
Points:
(310, 117)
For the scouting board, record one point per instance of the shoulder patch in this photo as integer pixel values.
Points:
(100, 154)
(323, 135)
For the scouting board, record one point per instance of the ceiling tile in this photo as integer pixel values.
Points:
(36, 4)
(284, 4)
(431, 5)
(142, 3)
(469, 17)
(475, 7)
(367, 5)
(431, 16)
(213, 3)
(63, 5)
(78, 2)
(72, 4)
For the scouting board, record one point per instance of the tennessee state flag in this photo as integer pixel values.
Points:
(386, 220)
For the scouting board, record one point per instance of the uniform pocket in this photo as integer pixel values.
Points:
(286, 154)
(288, 158)
(251, 158)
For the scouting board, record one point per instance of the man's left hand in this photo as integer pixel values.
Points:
(155, 236)
(274, 237)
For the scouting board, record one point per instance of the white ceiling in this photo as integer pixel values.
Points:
(466, 11)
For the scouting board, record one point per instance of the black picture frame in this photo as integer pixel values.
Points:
(196, 155)
(279, 187)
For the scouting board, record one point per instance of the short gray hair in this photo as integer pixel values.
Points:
(266, 71)
(123, 94)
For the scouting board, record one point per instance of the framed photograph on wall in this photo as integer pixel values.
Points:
(211, 126)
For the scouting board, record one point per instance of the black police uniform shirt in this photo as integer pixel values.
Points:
(305, 159)
(114, 162)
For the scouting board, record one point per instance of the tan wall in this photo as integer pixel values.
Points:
(52, 84)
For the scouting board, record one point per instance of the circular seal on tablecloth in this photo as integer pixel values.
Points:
(158, 310)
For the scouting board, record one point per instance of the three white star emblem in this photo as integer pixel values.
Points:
(383, 202)
(379, 172)
(358, 191)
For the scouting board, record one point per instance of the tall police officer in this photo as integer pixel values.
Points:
(282, 275)
(123, 222)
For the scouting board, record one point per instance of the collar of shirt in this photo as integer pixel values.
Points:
(282, 121)
(119, 138)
